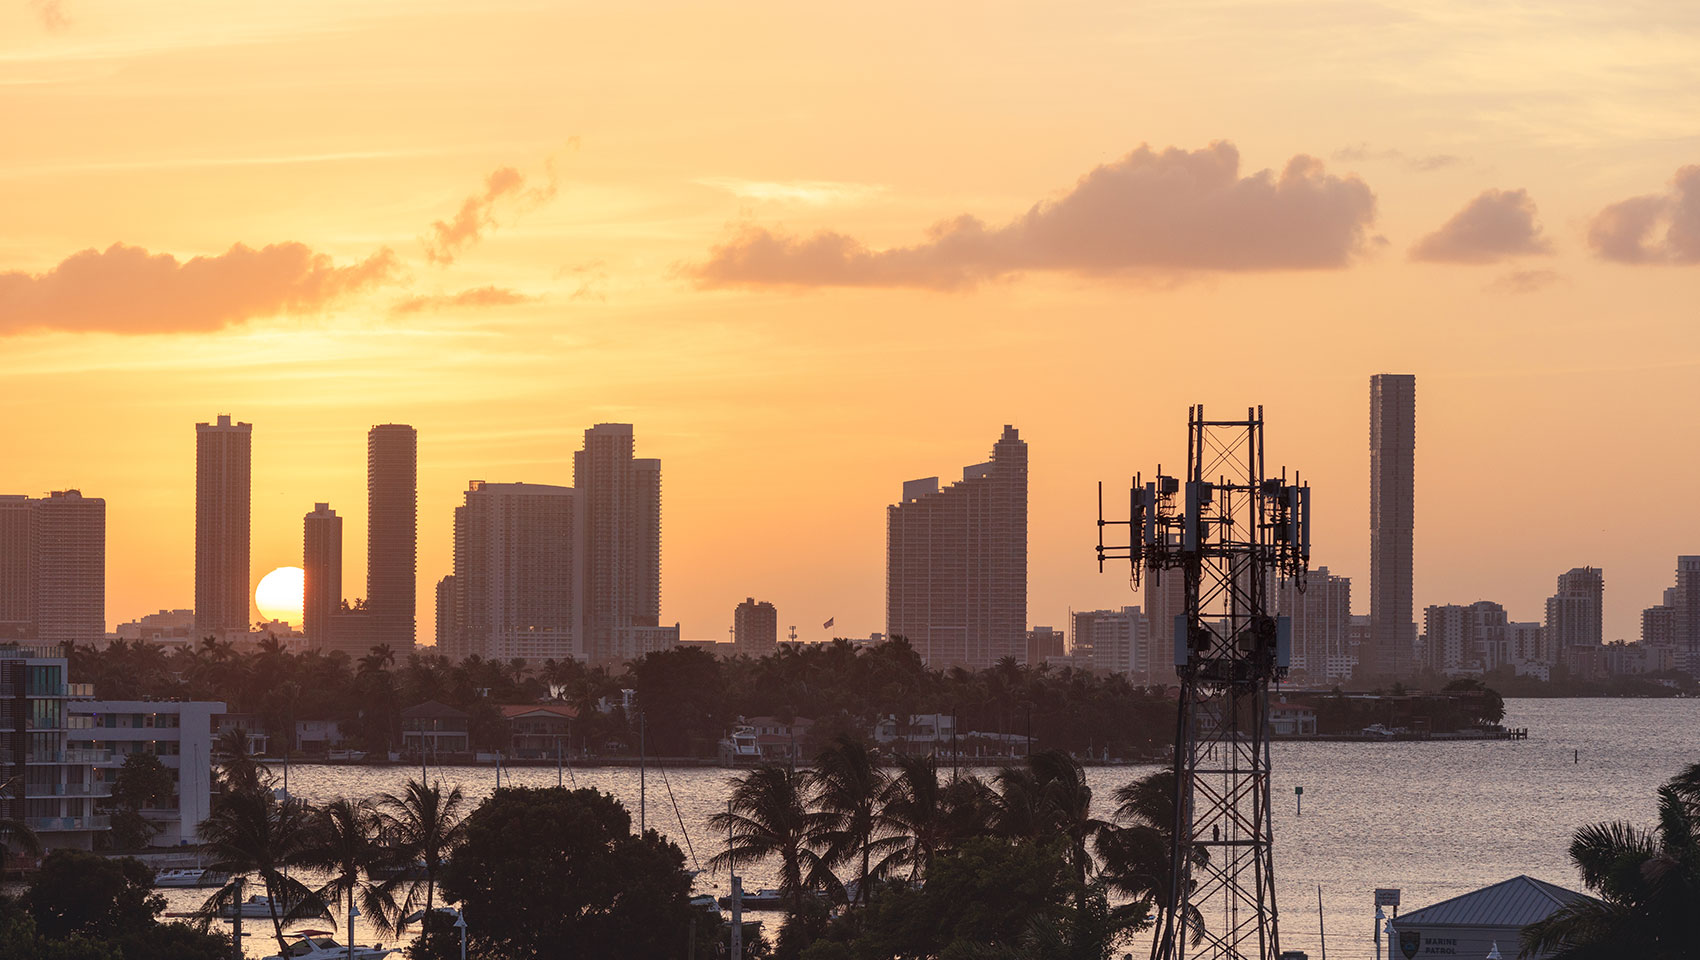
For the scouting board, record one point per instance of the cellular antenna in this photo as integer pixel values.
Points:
(1230, 532)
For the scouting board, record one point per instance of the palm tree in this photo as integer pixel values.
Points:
(253, 831)
(380, 658)
(848, 783)
(1648, 882)
(423, 825)
(240, 769)
(345, 842)
(1049, 799)
(769, 817)
(1137, 850)
(929, 817)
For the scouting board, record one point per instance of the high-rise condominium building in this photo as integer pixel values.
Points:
(1684, 600)
(514, 582)
(1322, 624)
(1466, 639)
(1392, 495)
(1575, 613)
(956, 562)
(1118, 640)
(223, 496)
(392, 535)
(755, 628)
(448, 612)
(619, 517)
(1044, 643)
(1165, 599)
(53, 567)
(321, 562)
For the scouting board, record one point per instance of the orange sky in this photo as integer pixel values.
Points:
(812, 251)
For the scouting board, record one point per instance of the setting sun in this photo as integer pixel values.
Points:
(279, 595)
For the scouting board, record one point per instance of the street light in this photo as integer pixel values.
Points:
(460, 924)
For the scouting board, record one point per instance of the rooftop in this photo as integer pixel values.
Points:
(1517, 902)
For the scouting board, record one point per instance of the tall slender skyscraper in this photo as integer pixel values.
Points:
(17, 567)
(321, 561)
(956, 562)
(1392, 499)
(392, 535)
(619, 513)
(223, 497)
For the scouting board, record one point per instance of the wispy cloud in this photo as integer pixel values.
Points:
(1524, 281)
(52, 14)
(813, 193)
(477, 214)
(1628, 231)
(1422, 163)
(126, 289)
(1150, 212)
(1496, 225)
(474, 297)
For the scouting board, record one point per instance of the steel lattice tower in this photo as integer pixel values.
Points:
(1229, 531)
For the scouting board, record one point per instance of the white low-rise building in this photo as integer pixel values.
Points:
(179, 733)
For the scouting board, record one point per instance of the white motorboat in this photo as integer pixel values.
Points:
(189, 877)
(255, 907)
(318, 945)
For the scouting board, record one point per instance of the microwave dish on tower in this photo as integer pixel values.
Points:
(1229, 532)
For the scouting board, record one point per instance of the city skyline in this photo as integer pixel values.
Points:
(496, 277)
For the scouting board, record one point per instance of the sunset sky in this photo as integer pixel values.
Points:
(813, 250)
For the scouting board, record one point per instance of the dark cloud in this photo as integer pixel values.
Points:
(125, 289)
(1150, 212)
(1423, 164)
(1628, 231)
(477, 212)
(474, 297)
(1495, 226)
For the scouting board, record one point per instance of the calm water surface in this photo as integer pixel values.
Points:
(1434, 819)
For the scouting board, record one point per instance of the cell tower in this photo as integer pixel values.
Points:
(1229, 532)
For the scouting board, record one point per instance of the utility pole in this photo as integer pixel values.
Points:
(1229, 531)
(236, 921)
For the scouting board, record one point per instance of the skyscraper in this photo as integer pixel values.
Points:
(1575, 621)
(514, 585)
(1322, 624)
(1392, 495)
(956, 562)
(17, 567)
(1685, 599)
(392, 535)
(70, 567)
(619, 516)
(1165, 599)
(755, 628)
(223, 492)
(321, 562)
(1118, 640)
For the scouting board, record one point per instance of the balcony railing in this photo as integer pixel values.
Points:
(42, 790)
(69, 756)
(55, 824)
(82, 690)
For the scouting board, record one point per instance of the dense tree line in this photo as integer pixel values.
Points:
(81, 906)
(687, 696)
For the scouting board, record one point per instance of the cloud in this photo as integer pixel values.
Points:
(477, 212)
(808, 192)
(1627, 230)
(1148, 213)
(52, 14)
(125, 289)
(1495, 226)
(1524, 281)
(474, 297)
(1422, 164)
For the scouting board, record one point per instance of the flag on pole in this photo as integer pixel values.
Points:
(828, 624)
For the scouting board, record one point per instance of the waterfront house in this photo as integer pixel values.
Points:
(435, 730)
(1292, 720)
(539, 730)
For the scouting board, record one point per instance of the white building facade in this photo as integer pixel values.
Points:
(179, 733)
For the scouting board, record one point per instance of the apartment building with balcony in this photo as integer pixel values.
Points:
(179, 733)
(45, 780)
